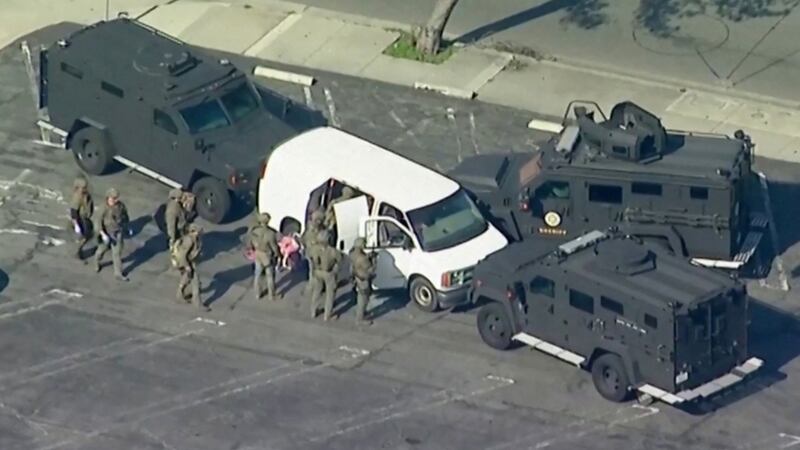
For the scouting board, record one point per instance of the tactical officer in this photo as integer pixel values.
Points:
(185, 254)
(264, 241)
(330, 214)
(175, 217)
(363, 270)
(308, 240)
(113, 227)
(81, 210)
(188, 202)
(325, 259)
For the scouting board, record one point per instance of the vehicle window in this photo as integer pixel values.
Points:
(646, 188)
(650, 321)
(612, 305)
(622, 151)
(164, 121)
(698, 193)
(603, 193)
(240, 102)
(448, 222)
(74, 71)
(111, 89)
(390, 235)
(581, 301)
(206, 116)
(553, 189)
(543, 286)
(390, 211)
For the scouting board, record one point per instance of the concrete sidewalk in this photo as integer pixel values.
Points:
(306, 36)
(296, 34)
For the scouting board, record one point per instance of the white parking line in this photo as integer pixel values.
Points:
(646, 411)
(472, 129)
(773, 230)
(331, 108)
(387, 413)
(451, 116)
(579, 428)
(100, 357)
(52, 366)
(47, 240)
(21, 177)
(30, 309)
(42, 225)
(309, 97)
(42, 191)
(204, 395)
(773, 441)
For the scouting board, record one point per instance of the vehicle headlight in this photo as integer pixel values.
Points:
(457, 277)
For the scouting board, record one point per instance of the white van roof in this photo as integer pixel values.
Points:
(326, 152)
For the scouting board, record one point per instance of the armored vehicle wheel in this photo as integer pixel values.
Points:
(495, 326)
(610, 378)
(92, 151)
(423, 295)
(213, 199)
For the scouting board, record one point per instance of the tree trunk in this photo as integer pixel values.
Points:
(430, 36)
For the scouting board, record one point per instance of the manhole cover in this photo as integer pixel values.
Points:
(700, 33)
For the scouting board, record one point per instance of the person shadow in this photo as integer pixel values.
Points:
(217, 242)
(151, 247)
(222, 282)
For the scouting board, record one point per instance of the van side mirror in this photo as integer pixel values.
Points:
(407, 244)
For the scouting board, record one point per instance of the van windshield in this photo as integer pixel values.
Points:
(447, 223)
(205, 116)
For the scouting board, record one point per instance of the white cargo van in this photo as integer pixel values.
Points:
(426, 231)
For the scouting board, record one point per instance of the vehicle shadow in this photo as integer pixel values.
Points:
(389, 301)
(222, 282)
(774, 337)
(3, 280)
(785, 196)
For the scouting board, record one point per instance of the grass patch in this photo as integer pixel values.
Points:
(405, 47)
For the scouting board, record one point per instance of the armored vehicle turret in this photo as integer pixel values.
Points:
(640, 318)
(689, 192)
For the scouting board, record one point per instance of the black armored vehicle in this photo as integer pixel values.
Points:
(120, 90)
(690, 192)
(640, 318)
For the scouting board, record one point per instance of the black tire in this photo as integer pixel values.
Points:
(213, 200)
(423, 295)
(92, 151)
(610, 378)
(289, 226)
(494, 326)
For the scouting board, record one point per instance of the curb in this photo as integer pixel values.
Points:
(445, 90)
(283, 75)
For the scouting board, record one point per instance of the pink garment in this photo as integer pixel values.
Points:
(288, 245)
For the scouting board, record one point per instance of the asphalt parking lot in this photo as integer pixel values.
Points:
(91, 363)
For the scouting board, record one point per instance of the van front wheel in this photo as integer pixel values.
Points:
(423, 295)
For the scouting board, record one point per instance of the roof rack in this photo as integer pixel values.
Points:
(582, 242)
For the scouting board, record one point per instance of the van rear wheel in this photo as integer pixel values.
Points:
(494, 326)
(610, 378)
(92, 150)
(423, 295)
(213, 200)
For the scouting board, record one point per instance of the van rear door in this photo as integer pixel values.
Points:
(348, 217)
